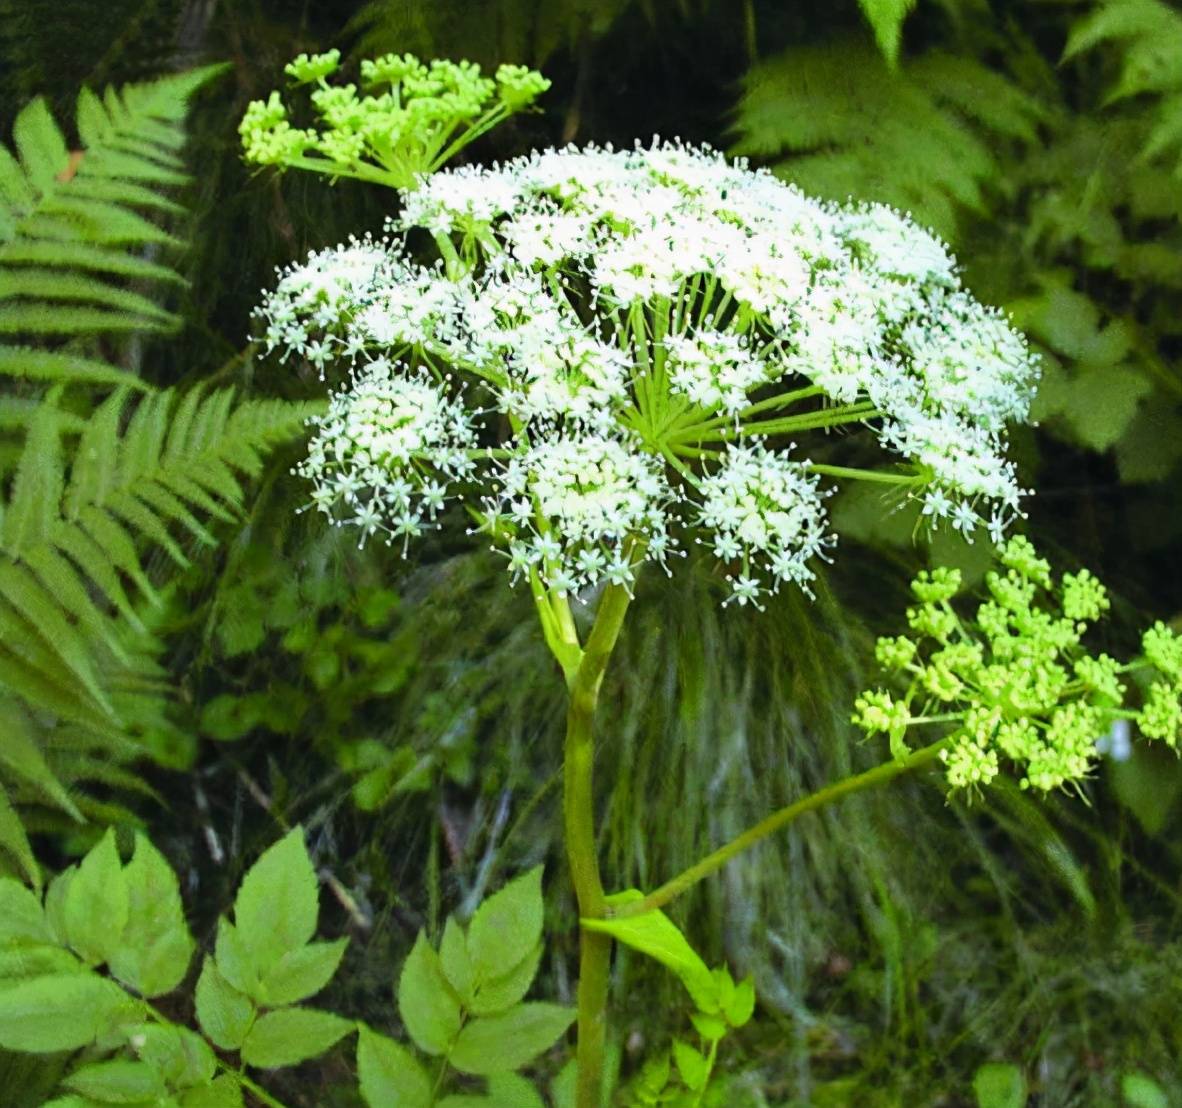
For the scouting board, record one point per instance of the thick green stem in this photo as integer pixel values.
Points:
(594, 950)
(877, 776)
(578, 809)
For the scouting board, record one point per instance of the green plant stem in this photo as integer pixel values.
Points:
(688, 878)
(257, 1091)
(578, 809)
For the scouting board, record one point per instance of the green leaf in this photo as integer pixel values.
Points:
(301, 973)
(22, 918)
(711, 1028)
(656, 935)
(291, 1036)
(22, 961)
(1140, 1091)
(181, 1057)
(505, 1090)
(55, 903)
(21, 754)
(503, 992)
(225, 1014)
(235, 960)
(511, 1090)
(740, 1006)
(14, 839)
(156, 947)
(507, 927)
(886, 20)
(563, 1089)
(693, 1067)
(1148, 783)
(278, 902)
(429, 1008)
(389, 1073)
(97, 903)
(496, 1044)
(61, 1011)
(453, 957)
(222, 1092)
(1102, 402)
(118, 1081)
(999, 1085)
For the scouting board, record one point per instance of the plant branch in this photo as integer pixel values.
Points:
(687, 879)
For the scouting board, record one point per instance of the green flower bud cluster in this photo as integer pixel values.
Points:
(409, 118)
(1015, 681)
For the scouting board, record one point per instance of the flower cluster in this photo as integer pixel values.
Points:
(645, 329)
(581, 509)
(1015, 680)
(412, 118)
(385, 452)
(764, 509)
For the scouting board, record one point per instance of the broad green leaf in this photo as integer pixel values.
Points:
(278, 902)
(181, 1057)
(429, 1007)
(292, 1035)
(511, 1090)
(503, 992)
(55, 903)
(97, 903)
(389, 1073)
(692, 1066)
(225, 1014)
(505, 1090)
(999, 1085)
(656, 935)
(1140, 1091)
(301, 973)
(496, 1044)
(565, 1084)
(22, 918)
(61, 1011)
(235, 960)
(1103, 402)
(154, 954)
(453, 956)
(711, 1028)
(507, 927)
(222, 1092)
(36, 961)
(740, 1006)
(118, 1081)
(1148, 783)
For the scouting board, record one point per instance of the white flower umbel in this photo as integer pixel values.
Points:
(765, 513)
(644, 329)
(383, 456)
(581, 510)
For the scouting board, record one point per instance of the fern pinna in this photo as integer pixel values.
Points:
(94, 487)
(73, 233)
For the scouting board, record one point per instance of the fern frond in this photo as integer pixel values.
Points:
(74, 532)
(52, 365)
(1144, 38)
(73, 222)
(66, 549)
(924, 138)
(15, 841)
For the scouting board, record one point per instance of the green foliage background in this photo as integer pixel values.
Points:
(231, 668)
